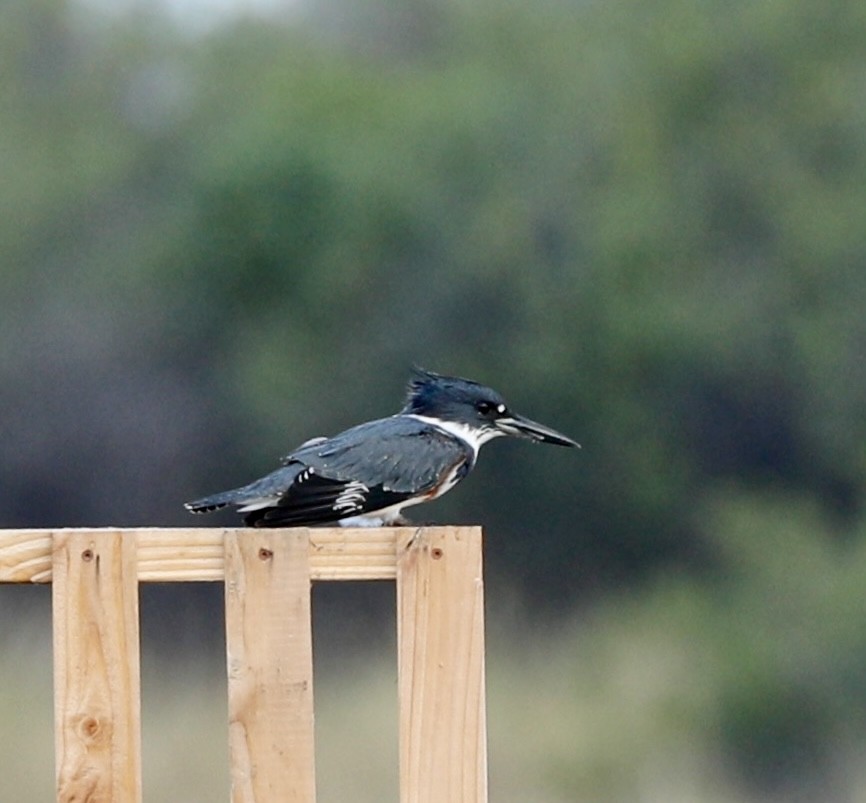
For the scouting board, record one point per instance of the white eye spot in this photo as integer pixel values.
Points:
(500, 408)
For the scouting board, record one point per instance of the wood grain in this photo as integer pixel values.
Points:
(97, 683)
(270, 666)
(440, 619)
(185, 554)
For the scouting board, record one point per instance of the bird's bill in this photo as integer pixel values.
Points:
(522, 427)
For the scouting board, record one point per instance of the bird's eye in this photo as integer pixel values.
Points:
(488, 408)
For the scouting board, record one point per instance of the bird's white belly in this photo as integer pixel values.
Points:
(383, 518)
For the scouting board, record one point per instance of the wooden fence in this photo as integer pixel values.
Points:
(267, 575)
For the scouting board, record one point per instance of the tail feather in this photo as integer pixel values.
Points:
(208, 504)
(262, 493)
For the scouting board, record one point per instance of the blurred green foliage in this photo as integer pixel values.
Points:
(644, 223)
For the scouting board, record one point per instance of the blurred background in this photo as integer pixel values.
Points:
(228, 227)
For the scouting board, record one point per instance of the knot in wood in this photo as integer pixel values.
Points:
(265, 554)
(90, 729)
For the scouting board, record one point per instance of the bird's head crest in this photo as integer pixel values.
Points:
(428, 390)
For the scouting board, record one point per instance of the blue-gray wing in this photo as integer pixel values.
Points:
(374, 466)
(401, 454)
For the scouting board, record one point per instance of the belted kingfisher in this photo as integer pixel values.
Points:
(366, 475)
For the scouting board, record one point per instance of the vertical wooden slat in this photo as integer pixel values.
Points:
(270, 666)
(440, 618)
(97, 686)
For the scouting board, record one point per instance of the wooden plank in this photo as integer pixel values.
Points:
(25, 555)
(440, 620)
(196, 553)
(270, 666)
(97, 687)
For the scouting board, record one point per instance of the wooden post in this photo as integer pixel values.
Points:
(270, 666)
(440, 620)
(96, 668)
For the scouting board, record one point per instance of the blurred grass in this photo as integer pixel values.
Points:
(26, 711)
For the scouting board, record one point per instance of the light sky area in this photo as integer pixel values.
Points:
(196, 15)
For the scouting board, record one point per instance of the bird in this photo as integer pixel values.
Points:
(366, 475)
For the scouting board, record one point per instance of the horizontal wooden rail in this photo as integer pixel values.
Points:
(185, 554)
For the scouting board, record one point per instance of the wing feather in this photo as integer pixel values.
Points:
(400, 453)
(363, 470)
(319, 500)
